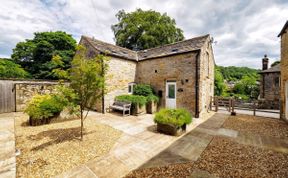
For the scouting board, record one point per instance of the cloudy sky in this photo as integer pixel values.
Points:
(245, 30)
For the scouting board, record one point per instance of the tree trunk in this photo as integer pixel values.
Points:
(81, 110)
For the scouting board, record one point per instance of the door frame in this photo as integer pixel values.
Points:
(173, 82)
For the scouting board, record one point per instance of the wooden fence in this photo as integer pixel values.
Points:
(7, 97)
(231, 104)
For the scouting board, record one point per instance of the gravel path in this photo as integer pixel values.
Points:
(257, 125)
(51, 149)
(224, 157)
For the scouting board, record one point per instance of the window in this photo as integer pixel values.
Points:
(130, 87)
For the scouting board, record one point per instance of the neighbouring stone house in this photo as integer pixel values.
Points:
(284, 72)
(269, 85)
(182, 73)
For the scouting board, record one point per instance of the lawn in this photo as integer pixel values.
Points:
(225, 157)
(49, 150)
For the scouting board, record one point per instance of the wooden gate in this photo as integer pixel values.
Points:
(7, 96)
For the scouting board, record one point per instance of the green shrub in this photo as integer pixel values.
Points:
(134, 99)
(43, 107)
(177, 117)
(152, 98)
(8, 69)
(142, 90)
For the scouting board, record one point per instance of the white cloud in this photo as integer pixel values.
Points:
(245, 30)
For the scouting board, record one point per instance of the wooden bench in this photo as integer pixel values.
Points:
(122, 106)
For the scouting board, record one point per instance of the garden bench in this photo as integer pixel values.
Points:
(122, 106)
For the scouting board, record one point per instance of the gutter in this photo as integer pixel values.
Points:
(197, 84)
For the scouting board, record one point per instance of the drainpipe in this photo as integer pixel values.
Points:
(197, 84)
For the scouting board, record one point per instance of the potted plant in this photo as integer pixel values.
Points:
(138, 103)
(152, 104)
(147, 91)
(172, 121)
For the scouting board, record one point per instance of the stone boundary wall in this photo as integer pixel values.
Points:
(26, 89)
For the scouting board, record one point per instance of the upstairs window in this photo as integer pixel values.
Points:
(130, 87)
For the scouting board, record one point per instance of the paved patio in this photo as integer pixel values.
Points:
(7, 146)
(189, 147)
(138, 144)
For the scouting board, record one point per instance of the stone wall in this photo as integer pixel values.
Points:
(180, 68)
(206, 82)
(26, 90)
(284, 73)
(120, 73)
(270, 90)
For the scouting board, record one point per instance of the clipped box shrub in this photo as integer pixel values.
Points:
(172, 121)
(143, 90)
(138, 103)
(42, 108)
(147, 91)
(152, 103)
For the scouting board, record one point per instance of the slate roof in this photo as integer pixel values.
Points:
(166, 50)
(111, 49)
(275, 68)
(283, 29)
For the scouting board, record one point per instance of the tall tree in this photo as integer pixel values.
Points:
(8, 69)
(35, 55)
(145, 29)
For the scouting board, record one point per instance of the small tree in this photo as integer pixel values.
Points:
(87, 80)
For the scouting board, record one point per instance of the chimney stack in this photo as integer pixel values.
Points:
(265, 62)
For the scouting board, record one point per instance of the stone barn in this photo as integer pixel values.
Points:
(269, 85)
(182, 73)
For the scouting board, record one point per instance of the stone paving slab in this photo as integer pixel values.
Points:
(272, 143)
(138, 143)
(7, 146)
(189, 147)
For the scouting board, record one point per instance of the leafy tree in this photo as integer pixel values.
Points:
(247, 86)
(275, 63)
(35, 55)
(233, 73)
(8, 69)
(145, 29)
(219, 85)
(87, 81)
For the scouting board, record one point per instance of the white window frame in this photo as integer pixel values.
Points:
(132, 84)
